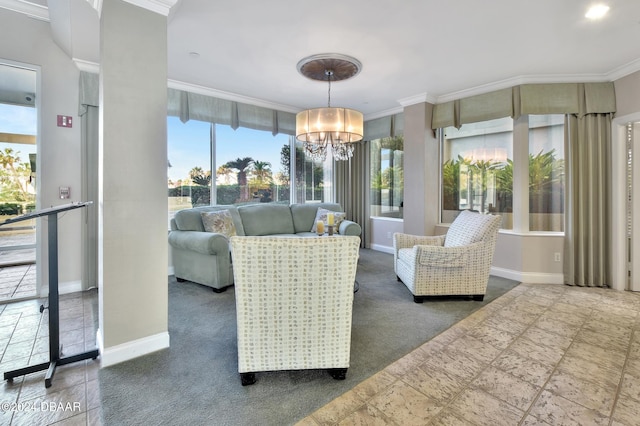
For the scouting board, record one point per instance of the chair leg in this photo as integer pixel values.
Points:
(338, 373)
(180, 280)
(247, 378)
(219, 290)
(418, 299)
(398, 278)
(478, 297)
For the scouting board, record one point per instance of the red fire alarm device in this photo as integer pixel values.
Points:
(65, 121)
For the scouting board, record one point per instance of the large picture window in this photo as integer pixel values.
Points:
(478, 167)
(546, 172)
(387, 177)
(251, 166)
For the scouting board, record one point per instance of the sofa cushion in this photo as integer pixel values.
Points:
(470, 227)
(191, 219)
(304, 214)
(219, 222)
(266, 219)
(323, 214)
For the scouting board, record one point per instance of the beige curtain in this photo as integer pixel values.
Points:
(352, 188)
(587, 200)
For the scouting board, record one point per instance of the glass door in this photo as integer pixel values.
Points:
(18, 148)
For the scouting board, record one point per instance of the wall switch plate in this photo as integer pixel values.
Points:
(65, 192)
(65, 121)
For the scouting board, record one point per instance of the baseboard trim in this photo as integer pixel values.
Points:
(63, 288)
(528, 277)
(130, 350)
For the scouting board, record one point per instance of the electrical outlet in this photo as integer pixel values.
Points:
(556, 257)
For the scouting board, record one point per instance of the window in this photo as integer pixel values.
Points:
(189, 148)
(251, 166)
(477, 169)
(546, 172)
(313, 178)
(387, 177)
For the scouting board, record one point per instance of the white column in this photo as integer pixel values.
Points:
(133, 182)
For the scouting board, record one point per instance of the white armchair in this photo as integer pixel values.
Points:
(294, 301)
(457, 263)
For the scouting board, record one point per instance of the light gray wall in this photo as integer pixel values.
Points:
(29, 41)
(421, 171)
(133, 195)
(627, 94)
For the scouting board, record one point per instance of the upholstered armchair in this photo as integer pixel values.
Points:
(457, 263)
(294, 300)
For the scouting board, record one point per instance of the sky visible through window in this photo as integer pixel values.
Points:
(20, 120)
(189, 146)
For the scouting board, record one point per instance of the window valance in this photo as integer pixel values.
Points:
(89, 91)
(384, 127)
(555, 98)
(193, 106)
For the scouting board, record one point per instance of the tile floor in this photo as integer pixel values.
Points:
(73, 398)
(17, 282)
(539, 355)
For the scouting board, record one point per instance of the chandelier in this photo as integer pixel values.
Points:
(321, 129)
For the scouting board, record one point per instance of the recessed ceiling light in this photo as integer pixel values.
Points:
(597, 11)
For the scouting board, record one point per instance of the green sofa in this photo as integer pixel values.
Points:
(204, 257)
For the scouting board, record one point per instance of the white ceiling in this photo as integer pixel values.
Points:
(411, 50)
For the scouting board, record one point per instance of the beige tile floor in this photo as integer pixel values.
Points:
(73, 398)
(539, 355)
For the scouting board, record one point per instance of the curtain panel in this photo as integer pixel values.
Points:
(587, 200)
(352, 188)
(555, 98)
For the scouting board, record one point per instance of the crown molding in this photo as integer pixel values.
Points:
(385, 113)
(616, 74)
(32, 10)
(416, 99)
(194, 88)
(87, 66)
(162, 7)
(625, 70)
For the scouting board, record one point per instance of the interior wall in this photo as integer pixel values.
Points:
(628, 110)
(58, 147)
(133, 176)
(421, 171)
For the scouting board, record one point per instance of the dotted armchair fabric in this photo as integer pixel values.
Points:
(429, 268)
(294, 300)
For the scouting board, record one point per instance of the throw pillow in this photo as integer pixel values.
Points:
(219, 222)
(338, 217)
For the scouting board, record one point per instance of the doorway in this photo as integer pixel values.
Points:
(18, 183)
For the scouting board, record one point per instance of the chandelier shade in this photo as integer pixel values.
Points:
(330, 127)
(333, 125)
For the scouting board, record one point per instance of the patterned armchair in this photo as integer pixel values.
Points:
(457, 263)
(294, 300)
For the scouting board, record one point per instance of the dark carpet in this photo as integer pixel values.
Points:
(196, 380)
